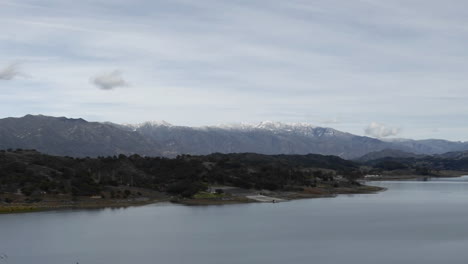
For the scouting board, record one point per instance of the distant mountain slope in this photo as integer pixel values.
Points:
(453, 155)
(388, 153)
(265, 138)
(79, 138)
(429, 146)
(71, 137)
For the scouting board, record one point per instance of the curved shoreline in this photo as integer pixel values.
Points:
(246, 197)
(401, 177)
(274, 197)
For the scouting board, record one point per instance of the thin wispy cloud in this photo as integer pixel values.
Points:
(110, 80)
(245, 61)
(10, 72)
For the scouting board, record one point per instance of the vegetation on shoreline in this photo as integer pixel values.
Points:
(30, 180)
(29, 177)
(445, 165)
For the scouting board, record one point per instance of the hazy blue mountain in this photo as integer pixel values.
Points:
(455, 155)
(388, 153)
(77, 137)
(71, 137)
(264, 138)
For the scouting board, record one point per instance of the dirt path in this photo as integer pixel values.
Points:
(265, 199)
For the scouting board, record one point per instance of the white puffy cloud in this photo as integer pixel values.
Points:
(109, 81)
(380, 130)
(10, 72)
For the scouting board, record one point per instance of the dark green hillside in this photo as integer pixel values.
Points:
(425, 165)
(29, 172)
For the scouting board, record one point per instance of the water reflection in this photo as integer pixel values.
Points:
(411, 222)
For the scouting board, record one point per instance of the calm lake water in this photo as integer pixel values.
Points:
(413, 222)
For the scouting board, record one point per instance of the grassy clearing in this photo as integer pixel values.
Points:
(17, 209)
(207, 195)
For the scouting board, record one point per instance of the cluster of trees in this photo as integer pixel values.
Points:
(31, 172)
(428, 165)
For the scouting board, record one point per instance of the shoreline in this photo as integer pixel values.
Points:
(281, 196)
(225, 199)
(42, 207)
(400, 177)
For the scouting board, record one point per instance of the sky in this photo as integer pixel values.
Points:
(382, 68)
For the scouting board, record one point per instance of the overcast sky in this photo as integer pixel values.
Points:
(384, 68)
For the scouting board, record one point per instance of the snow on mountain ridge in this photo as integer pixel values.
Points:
(280, 127)
(271, 126)
(161, 123)
(265, 125)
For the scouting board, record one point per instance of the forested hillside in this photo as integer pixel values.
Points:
(30, 172)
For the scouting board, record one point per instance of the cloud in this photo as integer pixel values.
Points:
(109, 81)
(10, 72)
(380, 130)
(382, 49)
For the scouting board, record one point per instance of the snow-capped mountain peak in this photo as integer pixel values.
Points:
(161, 123)
(270, 125)
(305, 129)
(266, 125)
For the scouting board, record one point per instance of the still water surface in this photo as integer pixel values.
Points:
(413, 222)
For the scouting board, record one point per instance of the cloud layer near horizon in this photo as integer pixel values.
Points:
(207, 62)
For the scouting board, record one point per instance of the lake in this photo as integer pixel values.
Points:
(412, 222)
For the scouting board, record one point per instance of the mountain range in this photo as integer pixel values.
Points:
(80, 138)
